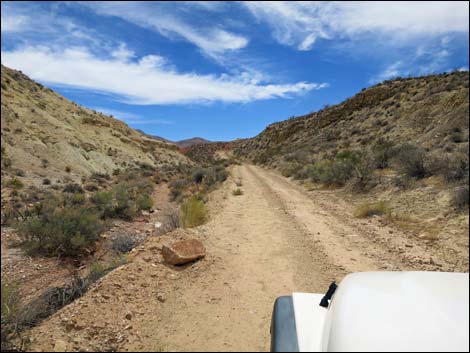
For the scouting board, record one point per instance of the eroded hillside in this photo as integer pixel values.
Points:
(397, 150)
(46, 135)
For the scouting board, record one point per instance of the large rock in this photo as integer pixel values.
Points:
(183, 251)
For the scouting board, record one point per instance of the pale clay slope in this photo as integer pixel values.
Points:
(274, 239)
(38, 124)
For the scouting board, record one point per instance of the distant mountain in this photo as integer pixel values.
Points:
(191, 142)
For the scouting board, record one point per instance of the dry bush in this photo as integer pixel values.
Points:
(376, 209)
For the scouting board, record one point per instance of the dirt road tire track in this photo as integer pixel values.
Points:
(272, 240)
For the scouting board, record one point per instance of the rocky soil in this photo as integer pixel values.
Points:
(273, 239)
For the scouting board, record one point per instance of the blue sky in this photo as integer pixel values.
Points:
(224, 70)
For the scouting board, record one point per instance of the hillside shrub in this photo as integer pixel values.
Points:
(10, 306)
(460, 197)
(452, 167)
(15, 183)
(410, 160)
(193, 213)
(73, 188)
(368, 210)
(123, 243)
(60, 231)
(237, 192)
(383, 151)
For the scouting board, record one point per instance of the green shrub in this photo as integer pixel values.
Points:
(10, 307)
(15, 183)
(410, 160)
(177, 188)
(123, 243)
(60, 231)
(73, 188)
(346, 165)
(193, 213)
(368, 210)
(198, 175)
(215, 174)
(125, 200)
(289, 169)
(237, 192)
(103, 201)
(383, 151)
(144, 202)
(460, 198)
(451, 167)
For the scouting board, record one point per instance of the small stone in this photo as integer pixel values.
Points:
(60, 346)
(128, 316)
(161, 297)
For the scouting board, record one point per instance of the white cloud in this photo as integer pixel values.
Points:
(299, 24)
(157, 17)
(131, 118)
(142, 82)
(122, 53)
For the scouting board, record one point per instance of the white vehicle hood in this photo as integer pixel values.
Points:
(388, 311)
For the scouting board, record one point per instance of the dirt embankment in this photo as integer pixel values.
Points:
(273, 239)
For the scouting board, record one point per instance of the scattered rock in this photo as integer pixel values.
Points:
(161, 297)
(60, 346)
(158, 225)
(183, 251)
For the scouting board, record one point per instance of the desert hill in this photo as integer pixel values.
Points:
(47, 135)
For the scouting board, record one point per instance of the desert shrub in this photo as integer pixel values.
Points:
(460, 197)
(68, 169)
(20, 172)
(15, 183)
(10, 306)
(91, 187)
(383, 151)
(73, 188)
(99, 177)
(237, 192)
(177, 188)
(300, 156)
(289, 169)
(451, 167)
(376, 209)
(144, 202)
(6, 162)
(215, 174)
(193, 213)
(337, 171)
(171, 220)
(125, 200)
(75, 199)
(60, 231)
(103, 201)
(123, 243)
(198, 175)
(456, 135)
(46, 181)
(410, 160)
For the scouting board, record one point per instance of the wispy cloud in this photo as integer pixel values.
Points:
(144, 81)
(132, 118)
(165, 19)
(300, 24)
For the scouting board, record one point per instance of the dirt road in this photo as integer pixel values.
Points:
(274, 239)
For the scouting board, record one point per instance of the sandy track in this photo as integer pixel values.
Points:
(274, 239)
